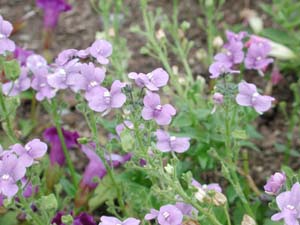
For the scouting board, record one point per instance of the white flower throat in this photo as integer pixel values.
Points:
(107, 97)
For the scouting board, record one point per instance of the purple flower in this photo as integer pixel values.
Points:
(256, 57)
(95, 168)
(169, 215)
(65, 56)
(231, 36)
(153, 80)
(52, 10)
(101, 50)
(206, 187)
(116, 160)
(275, 183)
(218, 98)
(186, 209)
(36, 62)
(219, 68)
(109, 220)
(11, 170)
(276, 76)
(289, 204)
(56, 151)
(100, 99)
(122, 126)
(167, 143)
(13, 88)
(40, 84)
(33, 150)
(28, 190)
(248, 96)
(233, 54)
(152, 215)
(84, 219)
(22, 54)
(162, 114)
(88, 78)
(5, 31)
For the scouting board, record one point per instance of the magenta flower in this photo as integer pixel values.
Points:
(219, 68)
(95, 168)
(206, 187)
(52, 10)
(275, 183)
(11, 171)
(109, 220)
(233, 53)
(153, 80)
(56, 152)
(5, 30)
(100, 99)
(289, 204)
(248, 96)
(82, 219)
(33, 150)
(256, 57)
(13, 88)
(101, 50)
(162, 114)
(22, 54)
(88, 78)
(167, 215)
(167, 143)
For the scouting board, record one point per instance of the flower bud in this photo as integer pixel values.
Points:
(160, 34)
(219, 199)
(280, 51)
(256, 24)
(218, 98)
(275, 183)
(200, 195)
(169, 169)
(218, 42)
(248, 220)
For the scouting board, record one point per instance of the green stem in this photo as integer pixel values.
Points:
(56, 119)
(9, 131)
(227, 214)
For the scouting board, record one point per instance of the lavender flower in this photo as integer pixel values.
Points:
(101, 50)
(11, 171)
(289, 205)
(13, 88)
(88, 78)
(22, 54)
(95, 168)
(233, 53)
(186, 209)
(219, 68)
(56, 153)
(5, 30)
(65, 56)
(162, 114)
(152, 215)
(153, 80)
(167, 143)
(33, 150)
(36, 62)
(275, 183)
(206, 187)
(108, 220)
(167, 215)
(100, 99)
(52, 10)
(231, 36)
(248, 96)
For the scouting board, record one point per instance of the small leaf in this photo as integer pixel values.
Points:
(11, 69)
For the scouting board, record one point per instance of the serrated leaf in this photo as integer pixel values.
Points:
(11, 69)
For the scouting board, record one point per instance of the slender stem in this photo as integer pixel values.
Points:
(56, 119)
(9, 131)
(227, 214)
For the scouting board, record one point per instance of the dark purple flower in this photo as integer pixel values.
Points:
(88, 78)
(153, 80)
(248, 96)
(169, 215)
(167, 143)
(275, 183)
(52, 10)
(40, 84)
(109, 220)
(11, 171)
(95, 168)
(57, 218)
(100, 99)
(233, 53)
(33, 150)
(56, 151)
(162, 114)
(84, 219)
(22, 54)
(219, 68)
(5, 30)
(101, 50)
(289, 204)
(13, 88)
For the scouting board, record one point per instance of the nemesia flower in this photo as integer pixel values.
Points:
(88, 78)
(5, 30)
(28, 190)
(56, 151)
(100, 99)
(206, 187)
(116, 160)
(84, 219)
(101, 50)
(231, 36)
(36, 62)
(65, 56)
(40, 84)
(219, 68)
(167, 143)
(169, 215)
(11, 171)
(275, 183)
(13, 88)
(162, 114)
(126, 124)
(52, 10)
(109, 220)
(33, 150)
(95, 168)
(186, 209)
(248, 96)
(218, 99)
(233, 53)
(289, 204)
(152, 215)
(153, 80)
(22, 54)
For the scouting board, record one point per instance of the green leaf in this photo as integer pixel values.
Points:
(279, 36)
(127, 140)
(240, 134)
(11, 69)
(182, 120)
(68, 187)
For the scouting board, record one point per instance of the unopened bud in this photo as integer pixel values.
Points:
(280, 51)
(256, 24)
(181, 80)
(169, 169)
(175, 69)
(201, 54)
(160, 34)
(200, 195)
(111, 32)
(219, 198)
(218, 42)
(248, 220)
